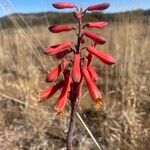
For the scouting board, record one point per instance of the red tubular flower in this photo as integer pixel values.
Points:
(63, 53)
(50, 91)
(62, 5)
(91, 70)
(92, 73)
(93, 90)
(100, 25)
(53, 75)
(80, 86)
(62, 100)
(55, 49)
(76, 71)
(95, 38)
(104, 57)
(102, 6)
(60, 28)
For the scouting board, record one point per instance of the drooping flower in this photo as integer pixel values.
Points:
(50, 91)
(76, 71)
(55, 49)
(53, 74)
(102, 6)
(62, 100)
(96, 38)
(63, 5)
(90, 69)
(104, 57)
(93, 90)
(60, 28)
(92, 73)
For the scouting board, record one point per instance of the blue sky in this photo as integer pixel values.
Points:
(45, 5)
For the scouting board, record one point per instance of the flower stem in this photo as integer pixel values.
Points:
(73, 100)
(74, 91)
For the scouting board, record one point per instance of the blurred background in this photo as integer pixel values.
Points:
(122, 123)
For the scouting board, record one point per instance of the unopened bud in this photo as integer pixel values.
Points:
(61, 5)
(55, 49)
(60, 28)
(100, 25)
(104, 57)
(96, 38)
(102, 6)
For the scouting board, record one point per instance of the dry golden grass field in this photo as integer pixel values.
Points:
(122, 123)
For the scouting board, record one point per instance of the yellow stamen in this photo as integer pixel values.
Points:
(98, 104)
(60, 115)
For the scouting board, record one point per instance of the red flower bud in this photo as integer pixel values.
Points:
(55, 49)
(104, 57)
(49, 91)
(61, 5)
(95, 38)
(60, 28)
(76, 72)
(100, 25)
(102, 6)
(92, 73)
(93, 90)
(53, 75)
(62, 100)
(63, 53)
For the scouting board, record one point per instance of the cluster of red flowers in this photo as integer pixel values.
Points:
(81, 68)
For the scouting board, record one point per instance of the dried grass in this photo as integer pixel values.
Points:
(123, 122)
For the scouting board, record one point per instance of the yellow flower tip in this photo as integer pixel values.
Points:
(98, 104)
(39, 100)
(59, 112)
